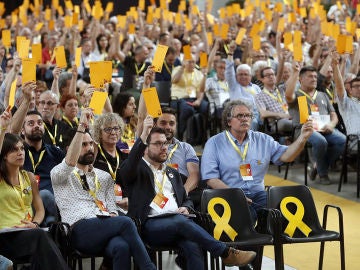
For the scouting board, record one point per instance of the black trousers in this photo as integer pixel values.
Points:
(35, 243)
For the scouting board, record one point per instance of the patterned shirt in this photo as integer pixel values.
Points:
(217, 91)
(350, 110)
(271, 101)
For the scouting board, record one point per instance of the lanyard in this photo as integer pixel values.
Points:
(312, 99)
(113, 173)
(250, 90)
(52, 137)
(330, 94)
(137, 69)
(167, 67)
(186, 79)
(242, 155)
(277, 98)
(224, 85)
(91, 192)
(355, 99)
(159, 184)
(20, 194)
(172, 152)
(67, 120)
(33, 161)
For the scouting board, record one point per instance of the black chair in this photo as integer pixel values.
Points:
(163, 89)
(291, 199)
(232, 205)
(351, 156)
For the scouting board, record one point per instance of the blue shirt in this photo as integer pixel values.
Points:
(220, 159)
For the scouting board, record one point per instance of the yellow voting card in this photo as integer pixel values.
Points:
(203, 60)
(256, 43)
(100, 73)
(131, 28)
(224, 30)
(142, 4)
(287, 39)
(39, 26)
(303, 109)
(210, 38)
(12, 93)
(18, 42)
(187, 52)
(6, 38)
(36, 50)
(97, 101)
(75, 18)
(152, 102)
(60, 57)
(24, 48)
(341, 44)
(298, 52)
(78, 56)
(28, 70)
(159, 57)
(51, 25)
(240, 36)
(109, 7)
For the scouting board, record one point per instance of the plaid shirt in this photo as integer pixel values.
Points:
(217, 91)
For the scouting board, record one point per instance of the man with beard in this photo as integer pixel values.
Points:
(250, 154)
(40, 158)
(86, 200)
(158, 199)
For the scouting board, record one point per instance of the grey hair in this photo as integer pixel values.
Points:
(258, 65)
(104, 120)
(243, 67)
(54, 96)
(228, 110)
(63, 78)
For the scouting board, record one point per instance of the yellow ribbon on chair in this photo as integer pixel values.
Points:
(295, 220)
(221, 222)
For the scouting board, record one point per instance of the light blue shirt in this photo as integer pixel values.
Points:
(220, 159)
(350, 110)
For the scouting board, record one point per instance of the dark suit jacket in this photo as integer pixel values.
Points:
(137, 179)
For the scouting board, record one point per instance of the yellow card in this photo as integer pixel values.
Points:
(131, 28)
(109, 7)
(107, 71)
(195, 10)
(298, 52)
(68, 21)
(358, 33)
(51, 25)
(256, 43)
(338, 3)
(100, 73)
(2, 23)
(28, 70)
(36, 50)
(12, 94)
(69, 5)
(97, 101)
(216, 30)
(348, 24)
(6, 38)
(55, 3)
(159, 57)
(187, 52)
(358, 8)
(341, 44)
(2, 8)
(254, 30)
(163, 4)
(224, 30)
(281, 24)
(178, 20)
(303, 12)
(75, 18)
(81, 25)
(78, 56)
(182, 5)
(188, 24)
(210, 18)
(60, 57)
(38, 26)
(287, 39)
(77, 9)
(60, 11)
(24, 48)
(203, 60)
(349, 44)
(152, 102)
(210, 38)
(303, 109)
(48, 14)
(229, 11)
(121, 21)
(19, 39)
(240, 36)
(297, 37)
(142, 4)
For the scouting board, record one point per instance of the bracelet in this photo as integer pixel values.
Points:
(83, 132)
(82, 124)
(36, 224)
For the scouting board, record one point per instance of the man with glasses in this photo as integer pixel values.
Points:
(239, 157)
(272, 104)
(158, 199)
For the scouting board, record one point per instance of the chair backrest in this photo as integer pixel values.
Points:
(297, 205)
(163, 89)
(230, 213)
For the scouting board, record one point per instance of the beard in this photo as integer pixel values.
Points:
(35, 136)
(157, 158)
(86, 159)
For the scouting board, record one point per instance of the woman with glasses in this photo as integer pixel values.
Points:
(21, 208)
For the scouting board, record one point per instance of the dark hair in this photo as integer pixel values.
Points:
(356, 79)
(167, 110)
(272, 33)
(98, 42)
(154, 130)
(10, 140)
(33, 112)
(262, 71)
(228, 110)
(120, 102)
(306, 69)
(171, 50)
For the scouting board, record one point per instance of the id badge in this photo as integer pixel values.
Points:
(37, 178)
(28, 217)
(314, 109)
(174, 166)
(285, 108)
(118, 193)
(245, 172)
(101, 205)
(159, 202)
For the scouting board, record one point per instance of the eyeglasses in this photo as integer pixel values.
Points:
(160, 144)
(49, 103)
(269, 75)
(109, 130)
(243, 116)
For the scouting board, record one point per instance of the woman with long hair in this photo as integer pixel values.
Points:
(21, 208)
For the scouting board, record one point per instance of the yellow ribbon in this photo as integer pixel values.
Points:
(295, 220)
(222, 223)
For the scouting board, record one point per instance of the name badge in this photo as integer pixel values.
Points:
(174, 165)
(314, 109)
(101, 205)
(118, 193)
(159, 202)
(245, 172)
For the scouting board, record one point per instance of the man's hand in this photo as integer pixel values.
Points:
(307, 129)
(183, 210)
(27, 89)
(56, 72)
(149, 76)
(5, 119)
(148, 125)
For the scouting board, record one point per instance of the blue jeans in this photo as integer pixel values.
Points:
(182, 232)
(326, 149)
(50, 207)
(259, 200)
(115, 237)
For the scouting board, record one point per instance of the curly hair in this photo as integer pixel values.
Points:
(104, 120)
(228, 110)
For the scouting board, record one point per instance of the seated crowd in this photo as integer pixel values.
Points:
(98, 173)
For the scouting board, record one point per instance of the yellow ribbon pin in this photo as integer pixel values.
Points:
(222, 223)
(295, 220)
